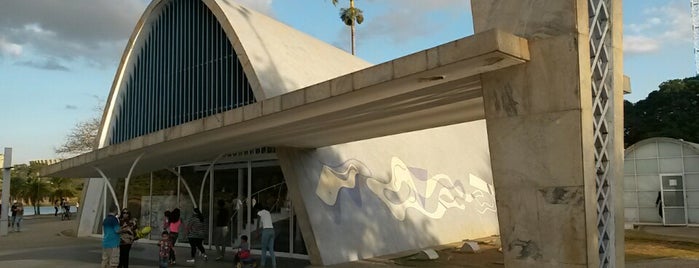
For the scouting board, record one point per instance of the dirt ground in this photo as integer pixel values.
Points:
(643, 249)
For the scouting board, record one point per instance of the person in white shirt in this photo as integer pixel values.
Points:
(267, 237)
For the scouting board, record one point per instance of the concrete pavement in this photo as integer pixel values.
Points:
(45, 241)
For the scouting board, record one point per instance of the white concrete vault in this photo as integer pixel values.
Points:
(440, 87)
(547, 77)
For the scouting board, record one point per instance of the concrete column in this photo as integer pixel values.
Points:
(285, 155)
(6, 175)
(617, 142)
(540, 129)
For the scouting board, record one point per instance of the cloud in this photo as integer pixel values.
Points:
(9, 49)
(71, 107)
(638, 44)
(90, 30)
(404, 20)
(48, 64)
(662, 25)
(93, 31)
(264, 6)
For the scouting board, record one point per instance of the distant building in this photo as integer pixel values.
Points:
(661, 177)
(45, 161)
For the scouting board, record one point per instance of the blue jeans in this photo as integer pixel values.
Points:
(268, 245)
(16, 221)
(164, 262)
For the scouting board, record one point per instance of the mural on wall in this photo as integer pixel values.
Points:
(407, 188)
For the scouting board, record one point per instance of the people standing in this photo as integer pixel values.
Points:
(221, 228)
(55, 207)
(110, 241)
(13, 214)
(267, 236)
(164, 252)
(127, 233)
(18, 214)
(196, 231)
(173, 224)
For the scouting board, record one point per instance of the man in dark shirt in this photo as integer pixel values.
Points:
(13, 209)
(221, 228)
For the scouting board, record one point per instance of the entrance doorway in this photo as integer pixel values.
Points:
(673, 199)
(248, 186)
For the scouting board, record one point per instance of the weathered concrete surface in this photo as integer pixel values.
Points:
(539, 118)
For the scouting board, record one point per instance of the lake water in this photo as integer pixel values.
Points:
(45, 210)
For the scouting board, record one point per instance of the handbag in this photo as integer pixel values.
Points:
(244, 254)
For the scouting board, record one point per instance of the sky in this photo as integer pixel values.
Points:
(58, 58)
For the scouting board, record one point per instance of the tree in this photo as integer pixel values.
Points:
(81, 139)
(351, 16)
(29, 188)
(36, 190)
(671, 111)
(62, 187)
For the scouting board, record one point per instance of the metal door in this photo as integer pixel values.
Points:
(673, 199)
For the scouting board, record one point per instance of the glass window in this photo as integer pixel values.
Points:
(269, 191)
(647, 151)
(671, 165)
(631, 214)
(630, 199)
(693, 199)
(667, 149)
(673, 199)
(691, 164)
(629, 183)
(688, 150)
(672, 183)
(648, 183)
(629, 166)
(647, 199)
(192, 180)
(647, 166)
(164, 198)
(691, 181)
(674, 216)
(649, 215)
(693, 215)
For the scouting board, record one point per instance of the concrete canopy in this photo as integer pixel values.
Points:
(435, 87)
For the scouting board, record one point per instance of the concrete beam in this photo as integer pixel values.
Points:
(443, 90)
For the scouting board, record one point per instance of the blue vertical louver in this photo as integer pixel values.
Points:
(185, 70)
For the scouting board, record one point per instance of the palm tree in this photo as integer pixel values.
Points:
(351, 16)
(35, 191)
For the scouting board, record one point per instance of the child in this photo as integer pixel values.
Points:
(243, 255)
(165, 247)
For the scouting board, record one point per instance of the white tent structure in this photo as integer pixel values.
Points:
(661, 177)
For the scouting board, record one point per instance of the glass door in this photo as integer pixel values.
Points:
(673, 199)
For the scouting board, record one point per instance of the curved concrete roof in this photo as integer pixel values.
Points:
(276, 58)
(637, 145)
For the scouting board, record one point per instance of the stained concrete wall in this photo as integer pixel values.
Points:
(391, 194)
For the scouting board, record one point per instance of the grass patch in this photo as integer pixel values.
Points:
(644, 246)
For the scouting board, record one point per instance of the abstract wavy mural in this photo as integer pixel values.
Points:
(408, 188)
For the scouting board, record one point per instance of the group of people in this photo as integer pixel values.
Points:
(120, 233)
(63, 205)
(17, 214)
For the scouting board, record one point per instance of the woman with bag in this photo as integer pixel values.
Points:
(127, 233)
